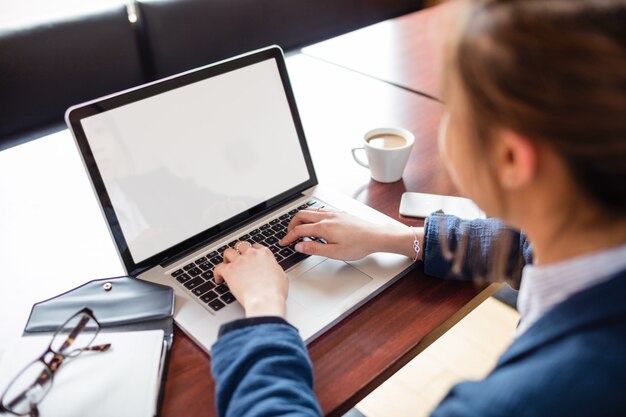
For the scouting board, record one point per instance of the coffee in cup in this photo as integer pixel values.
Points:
(387, 150)
(386, 140)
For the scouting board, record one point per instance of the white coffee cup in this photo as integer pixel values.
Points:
(387, 150)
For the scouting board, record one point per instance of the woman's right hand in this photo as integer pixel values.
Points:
(348, 237)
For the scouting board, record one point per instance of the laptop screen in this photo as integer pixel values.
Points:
(182, 161)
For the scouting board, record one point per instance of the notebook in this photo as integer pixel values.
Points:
(123, 381)
(186, 166)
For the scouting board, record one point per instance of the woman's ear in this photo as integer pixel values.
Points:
(515, 160)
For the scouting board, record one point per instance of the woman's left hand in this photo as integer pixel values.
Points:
(255, 279)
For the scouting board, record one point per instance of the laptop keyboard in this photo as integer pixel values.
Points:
(198, 277)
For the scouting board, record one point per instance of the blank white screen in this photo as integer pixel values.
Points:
(180, 162)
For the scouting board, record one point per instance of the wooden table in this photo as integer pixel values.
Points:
(405, 51)
(358, 354)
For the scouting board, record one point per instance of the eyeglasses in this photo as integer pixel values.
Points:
(33, 383)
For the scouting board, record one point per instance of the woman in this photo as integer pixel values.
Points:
(535, 134)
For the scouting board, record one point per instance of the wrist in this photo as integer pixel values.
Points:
(399, 239)
(270, 306)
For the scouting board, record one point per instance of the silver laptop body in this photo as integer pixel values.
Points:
(185, 166)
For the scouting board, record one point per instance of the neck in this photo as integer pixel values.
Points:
(569, 236)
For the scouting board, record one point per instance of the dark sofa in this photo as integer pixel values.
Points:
(77, 55)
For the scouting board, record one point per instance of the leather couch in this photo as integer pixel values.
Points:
(46, 66)
(77, 55)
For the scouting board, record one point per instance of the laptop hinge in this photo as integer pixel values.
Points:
(173, 259)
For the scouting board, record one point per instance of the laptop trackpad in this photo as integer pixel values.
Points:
(326, 285)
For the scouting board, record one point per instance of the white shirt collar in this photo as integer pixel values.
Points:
(543, 287)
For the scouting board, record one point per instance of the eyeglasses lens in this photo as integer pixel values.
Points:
(75, 335)
(28, 389)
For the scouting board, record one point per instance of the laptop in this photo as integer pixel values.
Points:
(186, 166)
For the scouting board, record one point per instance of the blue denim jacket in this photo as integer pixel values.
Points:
(571, 362)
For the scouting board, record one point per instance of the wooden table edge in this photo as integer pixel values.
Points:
(414, 351)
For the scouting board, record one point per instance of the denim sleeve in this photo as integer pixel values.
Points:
(262, 368)
(481, 250)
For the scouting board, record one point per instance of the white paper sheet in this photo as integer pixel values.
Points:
(120, 382)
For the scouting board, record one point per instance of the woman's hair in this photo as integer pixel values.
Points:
(555, 72)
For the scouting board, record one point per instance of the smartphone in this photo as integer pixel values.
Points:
(422, 205)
